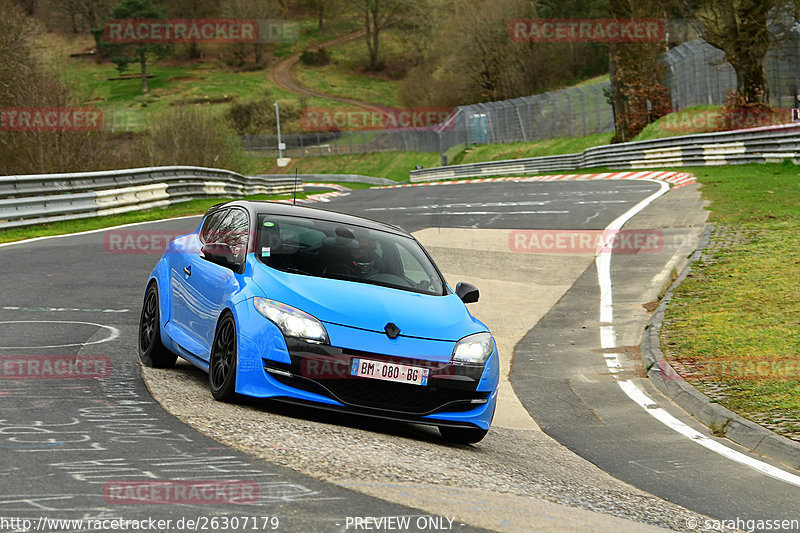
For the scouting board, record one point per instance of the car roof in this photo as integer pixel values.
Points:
(279, 208)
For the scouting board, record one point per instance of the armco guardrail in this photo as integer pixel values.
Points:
(342, 178)
(35, 199)
(757, 145)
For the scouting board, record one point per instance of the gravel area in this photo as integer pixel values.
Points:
(347, 450)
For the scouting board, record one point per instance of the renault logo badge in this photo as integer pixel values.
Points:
(392, 331)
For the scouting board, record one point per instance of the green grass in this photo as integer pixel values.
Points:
(391, 165)
(603, 78)
(344, 76)
(174, 82)
(125, 106)
(192, 207)
(308, 34)
(697, 119)
(740, 304)
(498, 152)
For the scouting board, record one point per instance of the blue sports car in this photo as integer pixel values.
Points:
(320, 308)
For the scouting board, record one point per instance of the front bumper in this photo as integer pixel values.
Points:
(451, 396)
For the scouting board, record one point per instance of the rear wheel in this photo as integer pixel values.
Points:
(151, 352)
(463, 435)
(222, 367)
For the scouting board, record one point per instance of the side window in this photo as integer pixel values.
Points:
(209, 233)
(234, 231)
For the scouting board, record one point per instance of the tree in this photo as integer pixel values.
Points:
(90, 13)
(28, 5)
(30, 81)
(322, 9)
(741, 28)
(377, 15)
(193, 9)
(637, 95)
(474, 58)
(123, 54)
(582, 59)
(249, 9)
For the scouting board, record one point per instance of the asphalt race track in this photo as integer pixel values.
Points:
(65, 443)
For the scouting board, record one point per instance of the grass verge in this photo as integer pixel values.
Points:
(732, 325)
(498, 152)
(192, 207)
(392, 165)
(345, 76)
(697, 119)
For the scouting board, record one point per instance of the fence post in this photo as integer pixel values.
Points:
(569, 114)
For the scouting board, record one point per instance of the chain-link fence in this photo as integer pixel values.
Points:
(343, 142)
(697, 74)
(573, 112)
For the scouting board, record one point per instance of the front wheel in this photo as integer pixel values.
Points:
(152, 352)
(222, 367)
(463, 435)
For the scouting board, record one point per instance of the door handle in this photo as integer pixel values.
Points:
(187, 270)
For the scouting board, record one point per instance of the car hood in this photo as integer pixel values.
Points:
(370, 307)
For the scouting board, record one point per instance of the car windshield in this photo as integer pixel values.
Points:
(328, 249)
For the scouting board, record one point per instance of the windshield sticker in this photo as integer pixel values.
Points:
(268, 224)
(265, 251)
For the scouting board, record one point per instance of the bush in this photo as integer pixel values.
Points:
(190, 135)
(739, 114)
(316, 57)
(257, 117)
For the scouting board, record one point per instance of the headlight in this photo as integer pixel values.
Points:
(474, 349)
(292, 322)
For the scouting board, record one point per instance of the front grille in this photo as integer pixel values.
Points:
(388, 396)
(324, 370)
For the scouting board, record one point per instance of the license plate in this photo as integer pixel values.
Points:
(366, 368)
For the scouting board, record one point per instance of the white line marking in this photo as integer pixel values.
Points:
(608, 340)
(500, 212)
(113, 333)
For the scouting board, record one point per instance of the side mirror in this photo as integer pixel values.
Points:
(218, 253)
(467, 292)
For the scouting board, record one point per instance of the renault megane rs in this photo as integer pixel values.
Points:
(320, 308)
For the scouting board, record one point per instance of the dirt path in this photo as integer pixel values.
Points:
(283, 76)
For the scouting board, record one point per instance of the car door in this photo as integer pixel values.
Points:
(183, 295)
(211, 284)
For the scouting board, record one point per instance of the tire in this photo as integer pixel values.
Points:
(152, 352)
(222, 367)
(462, 435)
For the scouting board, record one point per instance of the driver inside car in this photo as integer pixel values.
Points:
(361, 261)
